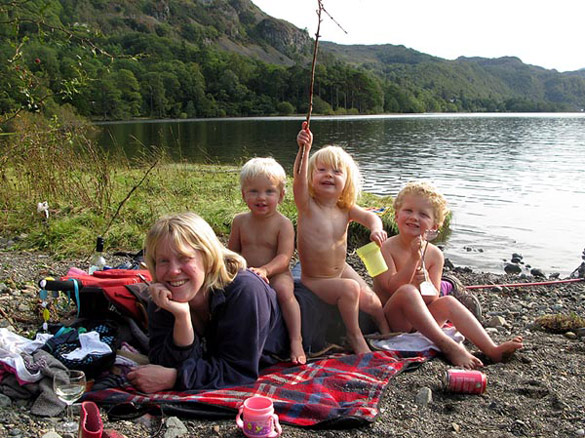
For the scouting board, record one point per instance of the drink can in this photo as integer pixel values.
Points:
(467, 381)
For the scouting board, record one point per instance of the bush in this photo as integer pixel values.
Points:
(285, 108)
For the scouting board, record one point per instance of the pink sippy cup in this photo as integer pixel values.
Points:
(259, 419)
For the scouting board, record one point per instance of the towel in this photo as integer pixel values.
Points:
(340, 391)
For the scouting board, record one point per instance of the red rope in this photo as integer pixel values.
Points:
(541, 283)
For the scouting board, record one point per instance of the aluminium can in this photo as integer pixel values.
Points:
(466, 381)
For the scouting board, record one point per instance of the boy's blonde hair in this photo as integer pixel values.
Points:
(337, 158)
(188, 231)
(427, 191)
(267, 167)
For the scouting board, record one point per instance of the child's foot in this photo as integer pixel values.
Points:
(358, 344)
(503, 351)
(297, 354)
(458, 355)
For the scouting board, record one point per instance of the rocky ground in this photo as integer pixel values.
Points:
(540, 392)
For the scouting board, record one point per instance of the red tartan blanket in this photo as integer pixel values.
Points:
(342, 391)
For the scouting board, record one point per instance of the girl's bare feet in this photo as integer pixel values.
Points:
(297, 354)
(503, 351)
(458, 355)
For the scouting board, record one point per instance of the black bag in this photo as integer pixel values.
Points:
(66, 340)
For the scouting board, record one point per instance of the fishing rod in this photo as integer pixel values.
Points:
(537, 283)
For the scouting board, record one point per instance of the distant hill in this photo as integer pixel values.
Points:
(208, 58)
(506, 78)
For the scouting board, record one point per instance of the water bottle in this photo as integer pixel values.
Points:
(97, 262)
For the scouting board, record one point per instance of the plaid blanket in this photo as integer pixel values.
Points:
(340, 391)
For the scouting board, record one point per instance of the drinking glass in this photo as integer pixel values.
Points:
(69, 386)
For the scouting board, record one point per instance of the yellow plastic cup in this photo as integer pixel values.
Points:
(372, 258)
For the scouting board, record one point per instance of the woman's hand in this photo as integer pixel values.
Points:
(163, 298)
(152, 378)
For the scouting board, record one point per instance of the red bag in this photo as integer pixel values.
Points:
(119, 291)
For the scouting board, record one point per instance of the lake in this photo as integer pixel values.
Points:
(513, 181)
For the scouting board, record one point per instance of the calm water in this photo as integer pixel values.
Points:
(514, 182)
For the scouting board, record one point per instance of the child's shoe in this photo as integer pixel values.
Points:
(463, 296)
(90, 421)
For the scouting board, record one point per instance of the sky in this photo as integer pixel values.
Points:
(545, 33)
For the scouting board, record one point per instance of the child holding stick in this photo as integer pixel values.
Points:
(326, 188)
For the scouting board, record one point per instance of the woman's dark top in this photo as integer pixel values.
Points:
(244, 334)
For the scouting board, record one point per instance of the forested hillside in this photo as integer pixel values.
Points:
(210, 58)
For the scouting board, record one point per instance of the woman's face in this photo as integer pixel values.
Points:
(182, 274)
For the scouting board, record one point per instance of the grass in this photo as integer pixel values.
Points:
(91, 192)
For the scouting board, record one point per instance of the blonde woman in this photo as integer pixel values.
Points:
(212, 323)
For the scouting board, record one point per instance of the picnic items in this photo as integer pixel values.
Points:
(90, 422)
(336, 392)
(111, 293)
(97, 262)
(257, 419)
(467, 381)
(372, 258)
(86, 345)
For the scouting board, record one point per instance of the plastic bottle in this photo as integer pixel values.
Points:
(97, 262)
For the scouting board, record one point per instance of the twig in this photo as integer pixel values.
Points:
(312, 83)
(315, 47)
(6, 317)
(128, 197)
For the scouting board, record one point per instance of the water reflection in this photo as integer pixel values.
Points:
(513, 181)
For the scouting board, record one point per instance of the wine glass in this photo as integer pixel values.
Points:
(69, 386)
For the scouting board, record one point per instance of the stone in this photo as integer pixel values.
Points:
(424, 397)
(496, 321)
(175, 428)
(512, 268)
(535, 272)
(5, 401)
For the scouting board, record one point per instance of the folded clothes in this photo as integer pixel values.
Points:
(414, 341)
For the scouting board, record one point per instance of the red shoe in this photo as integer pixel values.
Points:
(90, 422)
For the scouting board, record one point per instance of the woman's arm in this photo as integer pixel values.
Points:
(246, 327)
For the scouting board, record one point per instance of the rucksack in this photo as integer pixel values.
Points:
(116, 293)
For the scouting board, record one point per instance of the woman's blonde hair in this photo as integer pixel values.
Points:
(268, 167)
(426, 191)
(188, 231)
(337, 158)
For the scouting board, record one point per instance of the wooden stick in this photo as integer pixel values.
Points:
(312, 83)
(315, 47)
